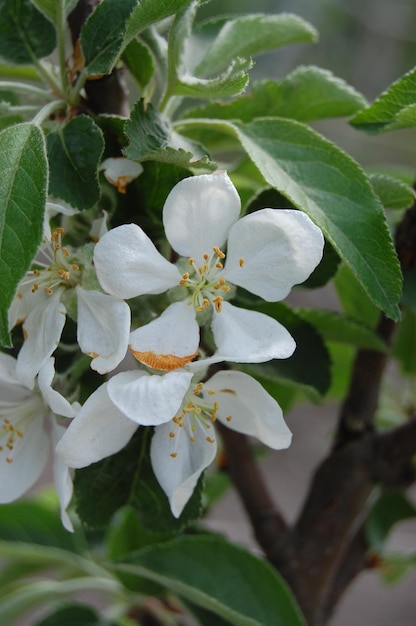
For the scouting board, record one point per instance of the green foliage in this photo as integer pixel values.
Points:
(23, 187)
(389, 509)
(25, 34)
(147, 132)
(51, 8)
(393, 109)
(148, 12)
(70, 614)
(393, 193)
(74, 153)
(139, 61)
(127, 478)
(222, 585)
(102, 35)
(404, 348)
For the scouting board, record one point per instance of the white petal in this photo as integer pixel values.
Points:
(148, 399)
(25, 300)
(252, 410)
(280, 249)
(57, 403)
(120, 171)
(29, 458)
(168, 342)
(244, 336)
(103, 328)
(199, 212)
(11, 389)
(62, 478)
(52, 209)
(98, 431)
(178, 475)
(128, 264)
(42, 328)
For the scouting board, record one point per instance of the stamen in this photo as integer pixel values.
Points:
(173, 455)
(209, 439)
(229, 418)
(219, 252)
(241, 262)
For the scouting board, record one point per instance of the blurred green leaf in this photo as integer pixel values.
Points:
(74, 153)
(49, 8)
(74, 614)
(393, 193)
(25, 34)
(395, 108)
(389, 509)
(148, 12)
(250, 35)
(404, 347)
(23, 188)
(220, 577)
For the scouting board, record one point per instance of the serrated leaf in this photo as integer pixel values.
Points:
(393, 193)
(307, 94)
(332, 189)
(49, 8)
(148, 12)
(74, 153)
(250, 35)
(339, 328)
(127, 478)
(146, 131)
(23, 188)
(390, 508)
(102, 35)
(24, 32)
(220, 577)
(395, 108)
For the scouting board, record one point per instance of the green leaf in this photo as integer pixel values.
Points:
(49, 8)
(395, 108)
(339, 328)
(355, 302)
(139, 62)
(404, 348)
(23, 187)
(394, 567)
(307, 94)
(102, 35)
(74, 153)
(220, 577)
(250, 35)
(393, 193)
(74, 613)
(146, 130)
(25, 34)
(390, 508)
(148, 12)
(331, 188)
(127, 478)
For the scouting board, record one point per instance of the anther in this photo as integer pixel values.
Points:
(209, 439)
(241, 262)
(218, 303)
(219, 252)
(172, 435)
(229, 418)
(173, 455)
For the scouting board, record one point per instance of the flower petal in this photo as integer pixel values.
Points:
(199, 212)
(178, 475)
(251, 409)
(128, 264)
(120, 171)
(42, 329)
(11, 389)
(244, 336)
(279, 248)
(98, 430)
(62, 478)
(52, 398)
(149, 399)
(27, 461)
(103, 328)
(168, 342)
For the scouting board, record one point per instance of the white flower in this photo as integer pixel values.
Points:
(27, 431)
(120, 172)
(268, 252)
(103, 322)
(184, 412)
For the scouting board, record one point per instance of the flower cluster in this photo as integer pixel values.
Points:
(170, 385)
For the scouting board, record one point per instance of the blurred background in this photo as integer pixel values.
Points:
(369, 44)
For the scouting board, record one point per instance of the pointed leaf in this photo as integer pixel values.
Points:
(140, 62)
(390, 508)
(220, 577)
(74, 153)
(393, 193)
(49, 8)
(146, 131)
(394, 108)
(102, 35)
(23, 187)
(249, 35)
(24, 32)
(148, 12)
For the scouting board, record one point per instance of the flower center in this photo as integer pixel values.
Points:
(13, 421)
(196, 417)
(206, 283)
(60, 269)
